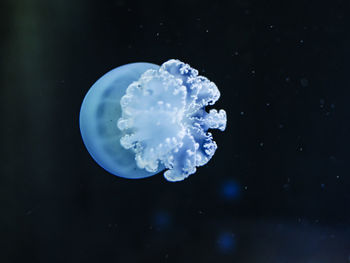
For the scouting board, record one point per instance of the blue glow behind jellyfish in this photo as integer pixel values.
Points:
(140, 119)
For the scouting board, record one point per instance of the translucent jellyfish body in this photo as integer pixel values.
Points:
(140, 119)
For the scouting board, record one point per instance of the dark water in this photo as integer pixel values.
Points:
(277, 190)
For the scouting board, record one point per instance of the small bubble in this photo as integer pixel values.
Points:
(242, 113)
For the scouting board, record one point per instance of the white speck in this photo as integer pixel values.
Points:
(242, 112)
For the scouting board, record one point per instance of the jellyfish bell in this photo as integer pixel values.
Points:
(99, 115)
(140, 119)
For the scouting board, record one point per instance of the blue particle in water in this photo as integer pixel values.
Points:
(161, 219)
(140, 119)
(230, 190)
(226, 242)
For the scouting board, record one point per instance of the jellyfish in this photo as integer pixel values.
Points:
(140, 119)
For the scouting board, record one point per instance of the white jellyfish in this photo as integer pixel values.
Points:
(141, 118)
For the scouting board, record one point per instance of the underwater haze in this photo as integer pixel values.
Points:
(277, 189)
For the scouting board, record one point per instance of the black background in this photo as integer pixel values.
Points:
(282, 69)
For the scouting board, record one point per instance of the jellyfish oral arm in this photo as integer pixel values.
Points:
(165, 123)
